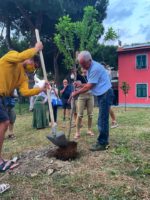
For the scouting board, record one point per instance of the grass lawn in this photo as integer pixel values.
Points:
(121, 173)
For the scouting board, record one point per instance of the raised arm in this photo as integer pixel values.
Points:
(16, 57)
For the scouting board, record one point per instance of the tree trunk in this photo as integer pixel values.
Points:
(2, 30)
(56, 68)
(38, 25)
(7, 38)
(28, 20)
(39, 21)
(125, 102)
(25, 15)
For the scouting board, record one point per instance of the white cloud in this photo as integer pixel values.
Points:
(130, 19)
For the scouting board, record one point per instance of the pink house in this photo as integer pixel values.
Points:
(134, 68)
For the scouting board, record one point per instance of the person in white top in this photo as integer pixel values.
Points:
(38, 83)
(54, 96)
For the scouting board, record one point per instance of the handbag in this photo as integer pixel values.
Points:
(57, 102)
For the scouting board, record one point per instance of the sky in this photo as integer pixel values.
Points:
(130, 19)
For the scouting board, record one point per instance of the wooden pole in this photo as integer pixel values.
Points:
(45, 77)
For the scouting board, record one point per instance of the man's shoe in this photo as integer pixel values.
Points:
(99, 147)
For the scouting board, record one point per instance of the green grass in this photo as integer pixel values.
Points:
(121, 173)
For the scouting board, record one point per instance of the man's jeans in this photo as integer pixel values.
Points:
(104, 103)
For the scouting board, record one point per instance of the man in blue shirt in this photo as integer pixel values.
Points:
(65, 92)
(100, 85)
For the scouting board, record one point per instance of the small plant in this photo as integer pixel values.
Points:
(125, 88)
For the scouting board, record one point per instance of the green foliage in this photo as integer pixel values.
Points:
(19, 45)
(107, 54)
(86, 32)
(125, 87)
(24, 15)
(8, 10)
(101, 7)
(81, 35)
(64, 39)
(89, 30)
(110, 35)
(3, 48)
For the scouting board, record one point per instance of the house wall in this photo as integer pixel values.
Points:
(131, 75)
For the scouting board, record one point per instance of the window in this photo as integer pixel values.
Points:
(141, 61)
(141, 90)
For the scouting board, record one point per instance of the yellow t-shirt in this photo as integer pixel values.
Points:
(12, 73)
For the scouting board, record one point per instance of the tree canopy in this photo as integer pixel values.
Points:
(23, 16)
(19, 18)
(81, 35)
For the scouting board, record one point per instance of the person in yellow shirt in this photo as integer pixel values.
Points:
(13, 69)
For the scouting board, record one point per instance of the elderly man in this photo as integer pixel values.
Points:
(100, 85)
(13, 69)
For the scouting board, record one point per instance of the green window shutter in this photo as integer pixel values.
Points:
(144, 61)
(138, 62)
(144, 90)
(139, 94)
(141, 90)
(141, 61)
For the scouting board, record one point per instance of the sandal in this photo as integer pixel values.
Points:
(4, 187)
(2, 165)
(5, 165)
(90, 133)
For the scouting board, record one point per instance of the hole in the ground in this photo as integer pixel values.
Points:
(64, 153)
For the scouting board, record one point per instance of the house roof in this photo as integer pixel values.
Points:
(133, 48)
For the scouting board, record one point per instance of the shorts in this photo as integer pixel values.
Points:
(3, 112)
(85, 101)
(66, 105)
(11, 115)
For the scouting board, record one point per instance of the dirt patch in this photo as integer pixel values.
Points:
(32, 163)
